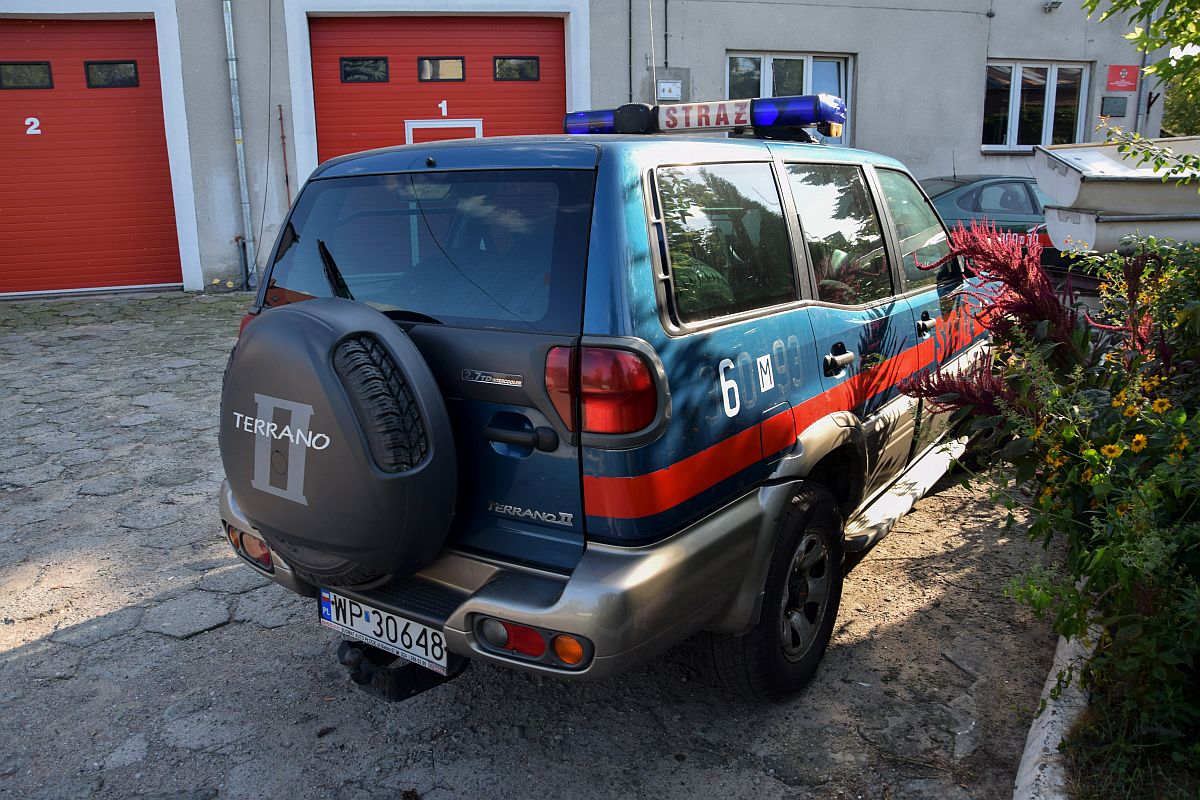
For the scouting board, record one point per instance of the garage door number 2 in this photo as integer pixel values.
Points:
(33, 126)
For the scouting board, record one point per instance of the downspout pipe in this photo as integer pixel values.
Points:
(243, 188)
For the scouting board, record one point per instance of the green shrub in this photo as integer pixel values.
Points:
(1098, 416)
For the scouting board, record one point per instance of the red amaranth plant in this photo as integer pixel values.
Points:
(979, 387)
(1013, 289)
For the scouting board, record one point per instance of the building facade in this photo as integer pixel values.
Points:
(118, 163)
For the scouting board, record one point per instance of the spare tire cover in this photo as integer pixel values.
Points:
(336, 442)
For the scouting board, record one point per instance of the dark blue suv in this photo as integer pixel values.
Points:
(561, 402)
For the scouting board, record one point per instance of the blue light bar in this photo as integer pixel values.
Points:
(797, 112)
(767, 116)
(601, 121)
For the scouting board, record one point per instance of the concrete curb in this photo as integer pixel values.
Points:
(1042, 774)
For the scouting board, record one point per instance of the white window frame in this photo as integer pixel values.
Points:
(1014, 102)
(767, 76)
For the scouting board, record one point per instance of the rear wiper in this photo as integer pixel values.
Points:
(332, 273)
(402, 315)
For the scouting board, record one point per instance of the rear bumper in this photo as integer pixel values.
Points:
(629, 602)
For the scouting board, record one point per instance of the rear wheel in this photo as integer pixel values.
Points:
(780, 653)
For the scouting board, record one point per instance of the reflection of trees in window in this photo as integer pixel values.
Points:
(364, 70)
(842, 231)
(516, 68)
(727, 240)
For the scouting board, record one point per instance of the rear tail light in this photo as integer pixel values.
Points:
(528, 643)
(524, 640)
(246, 320)
(616, 391)
(250, 547)
(613, 389)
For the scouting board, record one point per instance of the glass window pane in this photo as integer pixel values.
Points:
(111, 74)
(26, 75)
(842, 231)
(1066, 104)
(1005, 199)
(787, 76)
(438, 68)
(827, 77)
(995, 105)
(1033, 105)
(727, 239)
(516, 68)
(491, 249)
(745, 77)
(922, 237)
(365, 70)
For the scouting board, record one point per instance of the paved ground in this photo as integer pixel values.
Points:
(138, 659)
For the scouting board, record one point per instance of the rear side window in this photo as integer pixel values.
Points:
(496, 249)
(726, 238)
(1005, 198)
(922, 237)
(842, 231)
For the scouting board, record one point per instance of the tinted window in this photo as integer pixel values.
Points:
(842, 231)
(516, 68)
(937, 186)
(111, 74)
(1005, 198)
(922, 237)
(365, 70)
(727, 239)
(26, 75)
(503, 249)
(440, 69)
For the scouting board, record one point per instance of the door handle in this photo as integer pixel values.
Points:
(838, 359)
(540, 438)
(925, 325)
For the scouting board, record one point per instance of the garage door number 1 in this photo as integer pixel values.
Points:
(33, 126)
(444, 107)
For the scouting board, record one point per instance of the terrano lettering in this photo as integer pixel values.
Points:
(261, 427)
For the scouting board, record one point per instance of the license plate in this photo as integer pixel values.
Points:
(418, 643)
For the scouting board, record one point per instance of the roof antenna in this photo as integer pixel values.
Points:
(953, 169)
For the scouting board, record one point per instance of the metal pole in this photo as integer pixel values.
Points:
(231, 57)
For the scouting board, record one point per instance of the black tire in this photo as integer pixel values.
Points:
(778, 656)
(386, 409)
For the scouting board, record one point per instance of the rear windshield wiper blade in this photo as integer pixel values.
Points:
(332, 273)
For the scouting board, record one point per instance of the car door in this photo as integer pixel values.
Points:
(861, 329)
(942, 326)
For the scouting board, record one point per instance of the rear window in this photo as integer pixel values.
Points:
(494, 249)
(939, 186)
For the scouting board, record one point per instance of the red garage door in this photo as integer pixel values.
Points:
(85, 190)
(380, 81)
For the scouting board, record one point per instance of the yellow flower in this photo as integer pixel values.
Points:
(1160, 405)
(1130, 411)
(1110, 450)
(1103, 288)
(1123, 509)
(1119, 400)
(1037, 432)
(1087, 475)
(1181, 442)
(1149, 384)
(1139, 443)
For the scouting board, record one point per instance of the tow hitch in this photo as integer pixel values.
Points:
(390, 678)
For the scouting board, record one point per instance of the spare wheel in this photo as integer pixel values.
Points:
(336, 442)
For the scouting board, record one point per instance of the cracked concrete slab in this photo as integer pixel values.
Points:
(187, 615)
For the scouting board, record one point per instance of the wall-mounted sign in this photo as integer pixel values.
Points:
(1114, 106)
(669, 90)
(1122, 77)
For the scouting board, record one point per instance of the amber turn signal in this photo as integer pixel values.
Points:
(568, 649)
